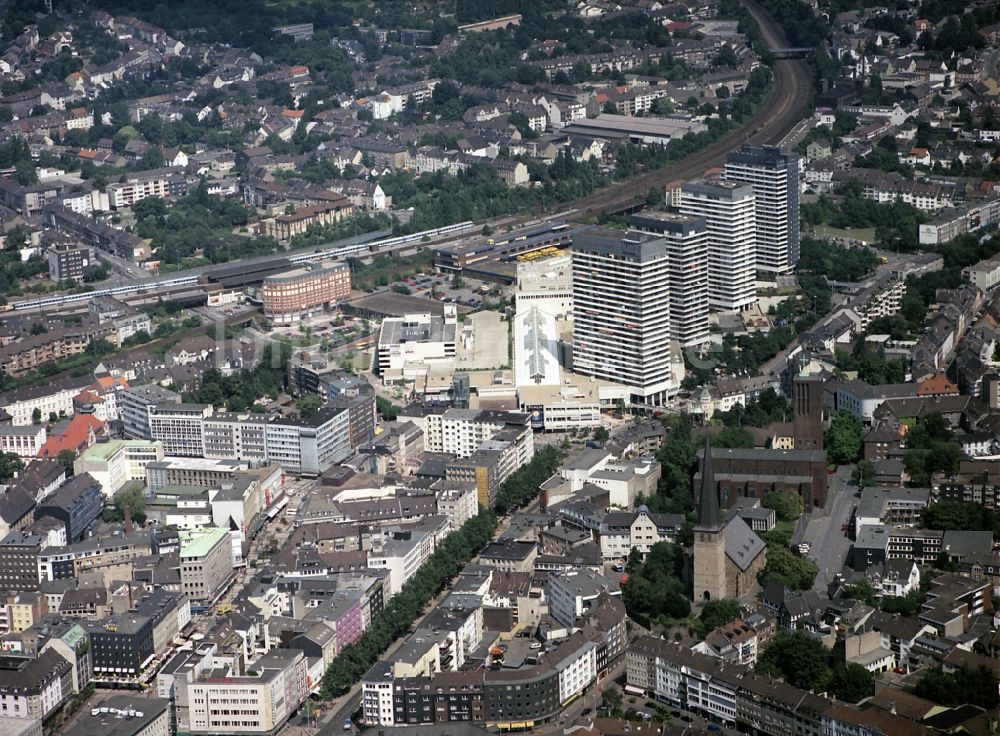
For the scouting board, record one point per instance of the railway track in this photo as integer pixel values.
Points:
(786, 105)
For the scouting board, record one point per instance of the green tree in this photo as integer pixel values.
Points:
(130, 497)
(973, 685)
(386, 408)
(798, 658)
(66, 458)
(792, 570)
(601, 435)
(654, 591)
(611, 698)
(864, 474)
(851, 682)
(308, 404)
(862, 591)
(787, 506)
(733, 437)
(10, 465)
(36, 416)
(844, 438)
(903, 605)
(720, 612)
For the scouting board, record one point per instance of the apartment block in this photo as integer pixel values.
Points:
(729, 210)
(156, 183)
(773, 173)
(621, 314)
(19, 552)
(92, 553)
(67, 262)
(34, 687)
(77, 503)
(686, 241)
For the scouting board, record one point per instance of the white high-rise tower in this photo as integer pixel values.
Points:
(729, 210)
(621, 314)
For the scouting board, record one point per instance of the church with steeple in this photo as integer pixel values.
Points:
(727, 554)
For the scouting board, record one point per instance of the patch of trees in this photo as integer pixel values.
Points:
(836, 264)
(654, 591)
(843, 438)
(931, 448)
(386, 409)
(522, 487)
(892, 23)
(197, 221)
(130, 498)
(883, 156)
(901, 605)
(733, 437)
(676, 456)
(16, 154)
(961, 516)
(479, 193)
(955, 37)
(896, 224)
(768, 407)
(788, 568)
(10, 465)
(242, 391)
(787, 506)
(870, 365)
(748, 353)
(804, 662)
(972, 685)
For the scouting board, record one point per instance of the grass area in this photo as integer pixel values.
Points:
(866, 234)
(781, 534)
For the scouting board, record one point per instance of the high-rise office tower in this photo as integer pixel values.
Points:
(686, 241)
(773, 173)
(621, 313)
(729, 212)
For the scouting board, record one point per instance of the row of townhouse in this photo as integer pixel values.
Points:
(731, 694)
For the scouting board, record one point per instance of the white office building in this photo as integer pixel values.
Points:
(729, 210)
(621, 314)
(774, 175)
(686, 240)
(179, 428)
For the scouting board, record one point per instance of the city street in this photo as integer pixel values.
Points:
(830, 545)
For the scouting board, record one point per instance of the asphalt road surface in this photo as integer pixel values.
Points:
(830, 545)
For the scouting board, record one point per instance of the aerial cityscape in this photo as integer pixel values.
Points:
(466, 367)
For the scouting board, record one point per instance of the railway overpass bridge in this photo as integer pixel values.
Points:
(792, 53)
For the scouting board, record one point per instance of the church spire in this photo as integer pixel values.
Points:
(708, 517)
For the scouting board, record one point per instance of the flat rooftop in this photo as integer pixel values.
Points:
(399, 331)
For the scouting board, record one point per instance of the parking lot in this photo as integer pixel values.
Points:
(464, 292)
